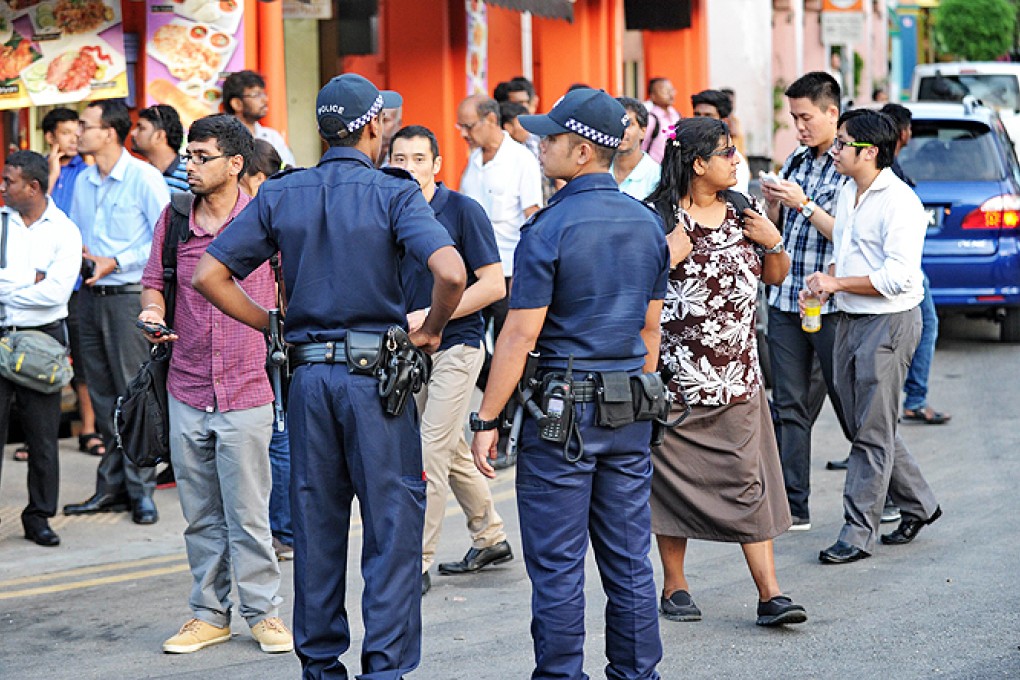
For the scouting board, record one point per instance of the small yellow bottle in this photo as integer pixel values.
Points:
(811, 322)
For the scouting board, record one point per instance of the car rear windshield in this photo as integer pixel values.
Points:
(1001, 92)
(951, 151)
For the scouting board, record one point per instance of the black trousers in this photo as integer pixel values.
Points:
(40, 419)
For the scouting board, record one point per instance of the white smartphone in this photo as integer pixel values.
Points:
(768, 178)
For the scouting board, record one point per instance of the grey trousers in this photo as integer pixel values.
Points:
(873, 353)
(221, 462)
(112, 350)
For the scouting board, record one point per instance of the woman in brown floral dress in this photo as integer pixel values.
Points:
(717, 476)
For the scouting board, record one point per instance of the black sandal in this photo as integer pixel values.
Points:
(94, 450)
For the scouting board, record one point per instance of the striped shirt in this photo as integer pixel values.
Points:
(809, 250)
(176, 176)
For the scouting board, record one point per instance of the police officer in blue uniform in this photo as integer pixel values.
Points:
(341, 229)
(590, 276)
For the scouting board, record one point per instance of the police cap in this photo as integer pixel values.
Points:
(348, 103)
(592, 114)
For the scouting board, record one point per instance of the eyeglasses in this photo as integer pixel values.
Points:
(199, 159)
(838, 144)
(85, 127)
(256, 95)
(727, 152)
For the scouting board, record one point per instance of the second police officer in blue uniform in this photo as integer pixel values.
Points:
(341, 229)
(590, 276)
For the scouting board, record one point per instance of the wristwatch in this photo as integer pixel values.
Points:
(807, 208)
(478, 425)
(776, 249)
(116, 266)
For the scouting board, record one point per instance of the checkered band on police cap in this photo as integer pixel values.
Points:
(364, 120)
(600, 138)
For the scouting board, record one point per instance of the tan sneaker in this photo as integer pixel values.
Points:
(272, 635)
(194, 635)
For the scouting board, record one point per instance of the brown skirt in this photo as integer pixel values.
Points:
(718, 476)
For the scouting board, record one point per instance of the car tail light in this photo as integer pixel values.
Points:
(998, 212)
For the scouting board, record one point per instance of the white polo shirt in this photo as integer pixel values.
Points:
(51, 246)
(882, 237)
(505, 187)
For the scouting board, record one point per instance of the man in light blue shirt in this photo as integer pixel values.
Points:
(116, 204)
(635, 171)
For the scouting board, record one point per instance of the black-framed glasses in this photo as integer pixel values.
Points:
(838, 144)
(199, 159)
(727, 152)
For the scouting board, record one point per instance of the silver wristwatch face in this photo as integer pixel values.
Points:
(808, 209)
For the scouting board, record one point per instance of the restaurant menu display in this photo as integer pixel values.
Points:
(60, 52)
(190, 46)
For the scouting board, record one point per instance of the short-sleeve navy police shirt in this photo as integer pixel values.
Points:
(595, 257)
(472, 234)
(341, 229)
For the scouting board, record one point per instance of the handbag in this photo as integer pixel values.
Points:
(31, 358)
(141, 417)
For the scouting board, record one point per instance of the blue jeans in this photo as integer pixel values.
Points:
(916, 385)
(279, 498)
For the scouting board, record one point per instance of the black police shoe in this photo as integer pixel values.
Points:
(478, 558)
(144, 511)
(100, 502)
(842, 552)
(779, 610)
(44, 536)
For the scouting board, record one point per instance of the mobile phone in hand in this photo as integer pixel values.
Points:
(769, 178)
(156, 330)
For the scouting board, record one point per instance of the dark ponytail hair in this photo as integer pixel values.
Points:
(697, 137)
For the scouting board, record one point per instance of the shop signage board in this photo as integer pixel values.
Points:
(843, 22)
(307, 9)
(190, 46)
(60, 52)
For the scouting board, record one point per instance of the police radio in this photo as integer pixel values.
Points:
(558, 406)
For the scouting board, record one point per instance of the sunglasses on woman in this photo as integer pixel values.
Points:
(727, 152)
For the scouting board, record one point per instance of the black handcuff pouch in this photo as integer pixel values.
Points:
(365, 351)
(614, 403)
(651, 401)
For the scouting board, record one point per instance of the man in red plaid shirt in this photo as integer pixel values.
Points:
(220, 409)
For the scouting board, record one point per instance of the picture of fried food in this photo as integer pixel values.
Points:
(17, 5)
(14, 59)
(81, 16)
(185, 58)
(189, 108)
(72, 70)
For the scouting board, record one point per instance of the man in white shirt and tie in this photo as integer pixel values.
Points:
(40, 255)
(875, 276)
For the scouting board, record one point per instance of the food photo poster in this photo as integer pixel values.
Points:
(60, 52)
(190, 46)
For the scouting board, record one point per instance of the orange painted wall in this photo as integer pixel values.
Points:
(580, 52)
(271, 63)
(681, 56)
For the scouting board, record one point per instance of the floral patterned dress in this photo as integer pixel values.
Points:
(717, 475)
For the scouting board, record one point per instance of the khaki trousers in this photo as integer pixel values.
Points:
(443, 405)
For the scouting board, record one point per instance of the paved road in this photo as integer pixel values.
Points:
(945, 606)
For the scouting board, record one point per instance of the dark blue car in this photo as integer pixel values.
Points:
(968, 178)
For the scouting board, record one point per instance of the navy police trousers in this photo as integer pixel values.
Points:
(602, 497)
(343, 445)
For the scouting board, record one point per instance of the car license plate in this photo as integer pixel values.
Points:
(934, 217)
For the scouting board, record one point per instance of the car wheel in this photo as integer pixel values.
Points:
(1010, 329)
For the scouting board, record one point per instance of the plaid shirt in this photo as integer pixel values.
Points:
(217, 363)
(809, 250)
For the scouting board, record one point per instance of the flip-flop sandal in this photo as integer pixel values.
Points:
(94, 450)
(928, 416)
(21, 454)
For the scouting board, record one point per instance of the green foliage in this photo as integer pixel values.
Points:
(858, 73)
(979, 30)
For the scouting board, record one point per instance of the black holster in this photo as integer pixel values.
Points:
(403, 370)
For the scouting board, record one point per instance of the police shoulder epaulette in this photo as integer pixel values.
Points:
(534, 216)
(397, 172)
(283, 173)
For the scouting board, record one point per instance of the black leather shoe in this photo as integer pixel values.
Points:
(477, 559)
(908, 529)
(101, 502)
(426, 583)
(842, 552)
(144, 511)
(43, 536)
(838, 464)
(780, 610)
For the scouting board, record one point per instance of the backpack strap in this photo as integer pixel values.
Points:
(178, 230)
(650, 137)
(739, 201)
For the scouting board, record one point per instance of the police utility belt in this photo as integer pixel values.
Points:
(619, 397)
(401, 368)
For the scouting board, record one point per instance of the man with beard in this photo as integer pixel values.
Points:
(244, 96)
(220, 406)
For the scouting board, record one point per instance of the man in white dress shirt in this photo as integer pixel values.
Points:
(875, 275)
(37, 274)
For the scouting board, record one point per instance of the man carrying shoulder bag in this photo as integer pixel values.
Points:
(40, 255)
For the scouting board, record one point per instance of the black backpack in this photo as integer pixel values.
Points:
(141, 419)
